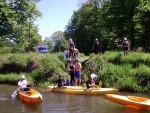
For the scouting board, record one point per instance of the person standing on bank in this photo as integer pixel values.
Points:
(23, 83)
(96, 46)
(125, 46)
(71, 68)
(71, 47)
(77, 75)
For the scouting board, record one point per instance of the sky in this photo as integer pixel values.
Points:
(55, 15)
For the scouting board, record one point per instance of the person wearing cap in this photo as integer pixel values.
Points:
(60, 81)
(71, 47)
(77, 75)
(23, 83)
(90, 82)
(96, 46)
(125, 46)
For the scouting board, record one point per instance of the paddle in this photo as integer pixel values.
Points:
(14, 94)
(29, 84)
(100, 83)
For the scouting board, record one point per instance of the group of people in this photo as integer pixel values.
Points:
(74, 67)
(76, 80)
(125, 46)
(72, 52)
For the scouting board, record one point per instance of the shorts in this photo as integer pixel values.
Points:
(125, 48)
(67, 56)
(77, 74)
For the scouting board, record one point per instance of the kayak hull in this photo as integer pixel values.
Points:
(73, 87)
(124, 100)
(100, 91)
(30, 97)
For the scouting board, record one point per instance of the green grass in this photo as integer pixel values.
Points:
(127, 73)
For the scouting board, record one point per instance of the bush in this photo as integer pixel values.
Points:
(127, 73)
(4, 50)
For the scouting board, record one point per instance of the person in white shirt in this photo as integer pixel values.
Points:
(23, 82)
(94, 77)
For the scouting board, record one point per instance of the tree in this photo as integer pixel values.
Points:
(84, 27)
(16, 21)
(48, 42)
(110, 21)
(58, 41)
(144, 23)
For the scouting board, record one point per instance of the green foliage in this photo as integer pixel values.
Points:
(60, 45)
(127, 73)
(39, 68)
(17, 27)
(110, 21)
(143, 76)
(11, 78)
(4, 50)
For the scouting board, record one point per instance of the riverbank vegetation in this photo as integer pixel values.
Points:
(127, 73)
(107, 20)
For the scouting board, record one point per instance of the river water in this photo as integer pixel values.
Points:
(54, 102)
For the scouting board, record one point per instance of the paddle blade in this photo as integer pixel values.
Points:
(13, 95)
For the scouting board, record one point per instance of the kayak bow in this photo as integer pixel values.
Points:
(31, 96)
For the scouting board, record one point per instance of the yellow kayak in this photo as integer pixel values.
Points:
(100, 91)
(31, 96)
(73, 87)
(130, 101)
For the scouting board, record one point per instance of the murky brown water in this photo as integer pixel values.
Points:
(61, 103)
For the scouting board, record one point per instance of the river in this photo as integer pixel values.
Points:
(54, 102)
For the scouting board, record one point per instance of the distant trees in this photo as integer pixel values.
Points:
(57, 42)
(110, 21)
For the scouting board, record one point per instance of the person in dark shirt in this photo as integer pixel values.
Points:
(96, 46)
(125, 46)
(90, 83)
(71, 68)
(60, 81)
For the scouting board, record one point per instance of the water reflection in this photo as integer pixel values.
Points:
(54, 102)
(34, 108)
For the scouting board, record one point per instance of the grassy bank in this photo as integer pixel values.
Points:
(127, 73)
(39, 68)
